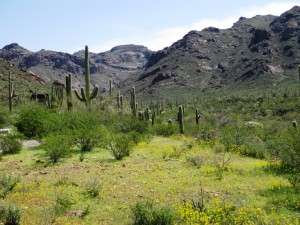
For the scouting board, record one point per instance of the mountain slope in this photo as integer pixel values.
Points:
(116, 64)
(257, 52)
(23, 80)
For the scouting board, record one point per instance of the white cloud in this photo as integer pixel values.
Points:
(275, 8)
(163, 38)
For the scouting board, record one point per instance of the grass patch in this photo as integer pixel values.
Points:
(147, 176)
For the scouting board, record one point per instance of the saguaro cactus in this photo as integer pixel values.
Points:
(299, 73)
(110, 89)
(180, 119)
(133, 102)
(197, 117)
(10, 91)
(86, 96)
(69, 91)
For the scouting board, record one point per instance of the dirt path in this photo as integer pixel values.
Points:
(30, 143)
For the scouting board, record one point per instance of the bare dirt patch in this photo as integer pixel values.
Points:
(31, 143)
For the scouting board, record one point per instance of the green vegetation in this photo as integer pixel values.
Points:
(238, 163)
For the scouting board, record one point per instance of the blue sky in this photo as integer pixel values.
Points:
(69, 25)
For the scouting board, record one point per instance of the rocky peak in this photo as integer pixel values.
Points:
(287, 22)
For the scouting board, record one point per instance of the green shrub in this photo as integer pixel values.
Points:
(93, 188)
(9, 144)
(129, 124)
(147, 214)
(294, 180)
(31, 122)
(62, 204)
(165, 130)
(8, 183)
(12, 215)
(88, 138)
(57, 147)
(254, 148)
(3, 119)
(120, 146)
(289, 142)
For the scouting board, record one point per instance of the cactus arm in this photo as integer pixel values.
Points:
(82, 97)
(94, 92)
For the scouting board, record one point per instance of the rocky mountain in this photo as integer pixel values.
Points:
(23, 81)
(255, 52)
(258, 52)
(116, 64)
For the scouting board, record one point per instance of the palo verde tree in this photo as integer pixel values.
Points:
(85, 95)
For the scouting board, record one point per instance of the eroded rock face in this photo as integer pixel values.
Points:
(163, 76)
(260, 35)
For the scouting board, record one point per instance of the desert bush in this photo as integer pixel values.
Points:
(294, 180)
(31, 122)
(129, 124)
(9, 144)
(144, 213)
(93, 188)
(12, 215)
(289, 141)
(120, 145)
(164, 129)
(255, 148)
(57, 147)
(8, 183)
(196, 160)
(3, 119)
(88, 138)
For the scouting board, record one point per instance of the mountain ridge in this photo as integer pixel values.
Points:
(116, 64)
(262, 51)
(259, 51)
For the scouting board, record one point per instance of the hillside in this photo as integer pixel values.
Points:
(262, 51)
(23, 80)
(116, 64)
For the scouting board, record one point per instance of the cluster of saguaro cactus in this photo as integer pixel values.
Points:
(197, 117)
(133, 104)
(69, 91)
(144, 115)
(85, 95)
(10, 91)
(180, 119)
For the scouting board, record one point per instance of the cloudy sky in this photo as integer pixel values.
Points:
(69, 25)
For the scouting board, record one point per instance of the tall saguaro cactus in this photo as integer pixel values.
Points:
(110, 88)
(85, 95)
(197, 117)
(180, 119)
(10, 91)
(69, 91)
(299, 73)
(133, 102)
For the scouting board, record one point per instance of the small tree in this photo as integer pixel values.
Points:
(57, 147)
(120, 146)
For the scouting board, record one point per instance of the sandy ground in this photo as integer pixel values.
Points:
(30, 143)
